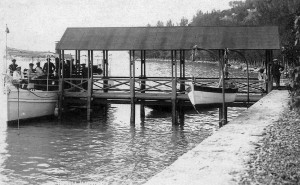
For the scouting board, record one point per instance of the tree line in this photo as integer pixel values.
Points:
(281, 13)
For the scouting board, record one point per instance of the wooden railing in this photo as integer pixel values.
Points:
(154, 84)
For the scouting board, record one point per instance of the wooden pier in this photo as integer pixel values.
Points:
(82, 84)
(149, 91)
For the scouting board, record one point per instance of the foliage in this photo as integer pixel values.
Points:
(281, 13)
(184, 22)
(276, 158)
(169, 23)
(160, 24)
(295, 73)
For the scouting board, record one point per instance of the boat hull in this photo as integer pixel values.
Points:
(200, 95)
(30, 104)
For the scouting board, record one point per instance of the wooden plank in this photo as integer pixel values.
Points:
(132, 87)
(174, 88)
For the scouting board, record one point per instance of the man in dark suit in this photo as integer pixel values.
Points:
(12, 67)
(49, 67)
(276, 72)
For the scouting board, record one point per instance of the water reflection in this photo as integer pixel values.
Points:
(107, 149)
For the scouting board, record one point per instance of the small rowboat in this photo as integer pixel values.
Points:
(203, 95)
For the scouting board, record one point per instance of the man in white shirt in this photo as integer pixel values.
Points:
(17, 75)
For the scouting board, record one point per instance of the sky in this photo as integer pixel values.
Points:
(37, 24)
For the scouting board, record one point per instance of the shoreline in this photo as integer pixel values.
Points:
(223, 157)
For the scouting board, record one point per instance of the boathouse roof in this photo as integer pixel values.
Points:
(169, 38)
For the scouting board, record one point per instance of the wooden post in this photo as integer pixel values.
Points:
(105, 70)
(222, 64)
(182, 85)
(90, 84)
(182, 70)
(78, 62)
(88, 104)
(60, 99)
(269, 58)
(225, 114)
(76, 58)
(143, 84)
(71, 67)
(132, 86)
(220, 116)
(174, 87)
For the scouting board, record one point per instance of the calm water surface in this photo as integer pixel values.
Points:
(106, 150)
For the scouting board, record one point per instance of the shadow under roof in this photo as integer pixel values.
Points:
(169, 38)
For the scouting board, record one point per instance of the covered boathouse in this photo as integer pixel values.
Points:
(176, 40)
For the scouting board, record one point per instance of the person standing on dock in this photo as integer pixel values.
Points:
(262, 77)
(13, 67)
(276, 72)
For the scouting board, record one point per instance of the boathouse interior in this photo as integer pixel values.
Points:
(84, 84)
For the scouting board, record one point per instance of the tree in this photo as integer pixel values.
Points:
(184, 22)
(159, 24)
(169, 23)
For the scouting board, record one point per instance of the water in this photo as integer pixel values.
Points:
(107, 149)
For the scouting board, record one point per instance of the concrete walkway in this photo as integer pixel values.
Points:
(222, 157)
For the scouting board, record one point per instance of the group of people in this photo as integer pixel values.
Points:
(32, 73)
(276, 70)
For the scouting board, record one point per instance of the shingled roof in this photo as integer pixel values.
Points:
(169, 38)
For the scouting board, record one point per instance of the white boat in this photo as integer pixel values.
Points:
(24, 104)
(203, 95)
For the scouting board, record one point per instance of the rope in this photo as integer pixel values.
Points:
(18, 110)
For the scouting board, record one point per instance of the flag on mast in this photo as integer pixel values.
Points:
(7, 30)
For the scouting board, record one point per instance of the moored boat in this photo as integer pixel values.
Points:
(203, 95)
(24, 104)
(30, 97)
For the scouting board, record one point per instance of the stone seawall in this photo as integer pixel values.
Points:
(222, 157)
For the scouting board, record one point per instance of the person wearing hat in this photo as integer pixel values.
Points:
(12, 67)
(49, 67)
(276, 69)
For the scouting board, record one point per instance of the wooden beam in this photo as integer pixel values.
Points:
(90, 84)
(71, 67)
(174, 87)
(132, 86)
(143, 84)
(78, 63)
(59, 88)
(269, 58)
(182, 70)
(61, 83)
(105, 70)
